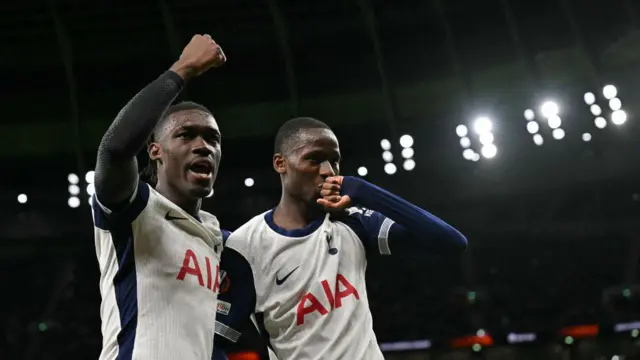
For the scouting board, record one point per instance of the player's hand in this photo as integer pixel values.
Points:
(201, 54)
(332, 199)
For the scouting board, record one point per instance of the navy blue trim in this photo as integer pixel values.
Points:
(262, 330)
(105, 221)
(225, 235)
(302, 232)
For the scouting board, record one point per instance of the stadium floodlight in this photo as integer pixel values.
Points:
(600, 122)
(533, 127)
(390, 168)
(74, 190)
(409, 164)
(385, 144)
(22, 198)
(465, 142)
(387, 156)
(486, 138)
(589, 98)
(73, 179)
(248, 182)
(538, 139)
(596, 110)
(462, 130)
(586, 137)
(476, 347)
(408, 153)
(481, 333)
(609, 92)
(362, 171)
(483, 125)
(73, 202)
(618, 117)
(489, 151)
(406, 141)
(89, 177)
(91, 189)
(476, 157)
(549, 109)
(468, 154)
(615, 104)
(558, 134)
(529, 114)
(554, 121)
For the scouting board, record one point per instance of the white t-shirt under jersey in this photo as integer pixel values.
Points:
(306, 286)
(159, 276)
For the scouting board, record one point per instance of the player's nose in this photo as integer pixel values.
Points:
(327, 170)
(200, 147)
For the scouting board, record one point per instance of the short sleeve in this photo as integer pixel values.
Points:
(371, 227)
(104, 218)
(237, 297)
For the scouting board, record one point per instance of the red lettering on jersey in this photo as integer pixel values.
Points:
(349, 289)
(187, 269)
(208, 262)
(216, 284)
(334, 301)
(313, 306)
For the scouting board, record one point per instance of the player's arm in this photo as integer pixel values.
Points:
(395, 225)
(237, 298)
(116, 174)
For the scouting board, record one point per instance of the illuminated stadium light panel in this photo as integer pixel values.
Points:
(482, 136)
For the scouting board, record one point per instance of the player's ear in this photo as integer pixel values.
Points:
(154, 151)
(279, 163)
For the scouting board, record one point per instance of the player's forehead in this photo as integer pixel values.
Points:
(193, 119)
(315, 140)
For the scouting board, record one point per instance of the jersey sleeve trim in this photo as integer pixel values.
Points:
(103, 216)
(383, 236)
(227, 332)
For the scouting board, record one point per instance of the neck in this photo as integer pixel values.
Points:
(293, 214)
(191, 206)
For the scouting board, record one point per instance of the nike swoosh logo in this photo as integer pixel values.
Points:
(171, 218)
(280, 281)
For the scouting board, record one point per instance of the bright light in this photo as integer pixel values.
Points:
(465, 142)
(74, 189)
(549, 109)
(615, 357)
(462, 130)
(609, 92)
(554, 121)
(586, 137)
(483, 125)
(476, 156)
(538, 140)
(406, 141)
(22, 198)
(486, 138)
(529, 114)
(480, 333)
(618, 117)
(615, 104)
(600, 122)
(91, 189)
(385, 144)
(73, 179)
(73, 202)
(533, 127)
(409, 164)
(390, 168)
(489, 151)
(362, 171)
(89, 176)
(476, 347)
(589, 98)
(468, 154)
(248, 182)
(558, 134)
(407, 153)
(596, 110)
(387, 156)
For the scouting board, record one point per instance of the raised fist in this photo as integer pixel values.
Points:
(201, 54)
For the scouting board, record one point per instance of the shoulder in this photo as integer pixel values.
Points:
(142, 201)
(246, 238)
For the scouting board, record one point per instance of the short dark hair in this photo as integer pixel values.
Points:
(150, 173)
(291, 128)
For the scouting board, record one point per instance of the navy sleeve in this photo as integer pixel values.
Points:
(218, 354)
(225, 235)
(106, 219)
(371, 227)
(237, 297)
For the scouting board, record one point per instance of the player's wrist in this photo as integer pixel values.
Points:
(183, 69)
(353, 186)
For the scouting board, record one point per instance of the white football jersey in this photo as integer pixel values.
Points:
(306, 286)
(159, 275)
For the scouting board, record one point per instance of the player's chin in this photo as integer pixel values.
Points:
(199, 191)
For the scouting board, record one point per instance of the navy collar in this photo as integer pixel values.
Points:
(302, 232)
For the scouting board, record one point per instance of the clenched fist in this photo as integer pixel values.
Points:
(201, 54)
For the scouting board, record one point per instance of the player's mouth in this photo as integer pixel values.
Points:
(202, 169)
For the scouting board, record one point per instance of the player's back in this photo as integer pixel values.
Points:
(159, 279)
(310, 288)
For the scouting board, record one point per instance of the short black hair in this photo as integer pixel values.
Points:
(150, 173)
(291, 128)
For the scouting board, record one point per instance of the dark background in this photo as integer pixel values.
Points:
(552, 229)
